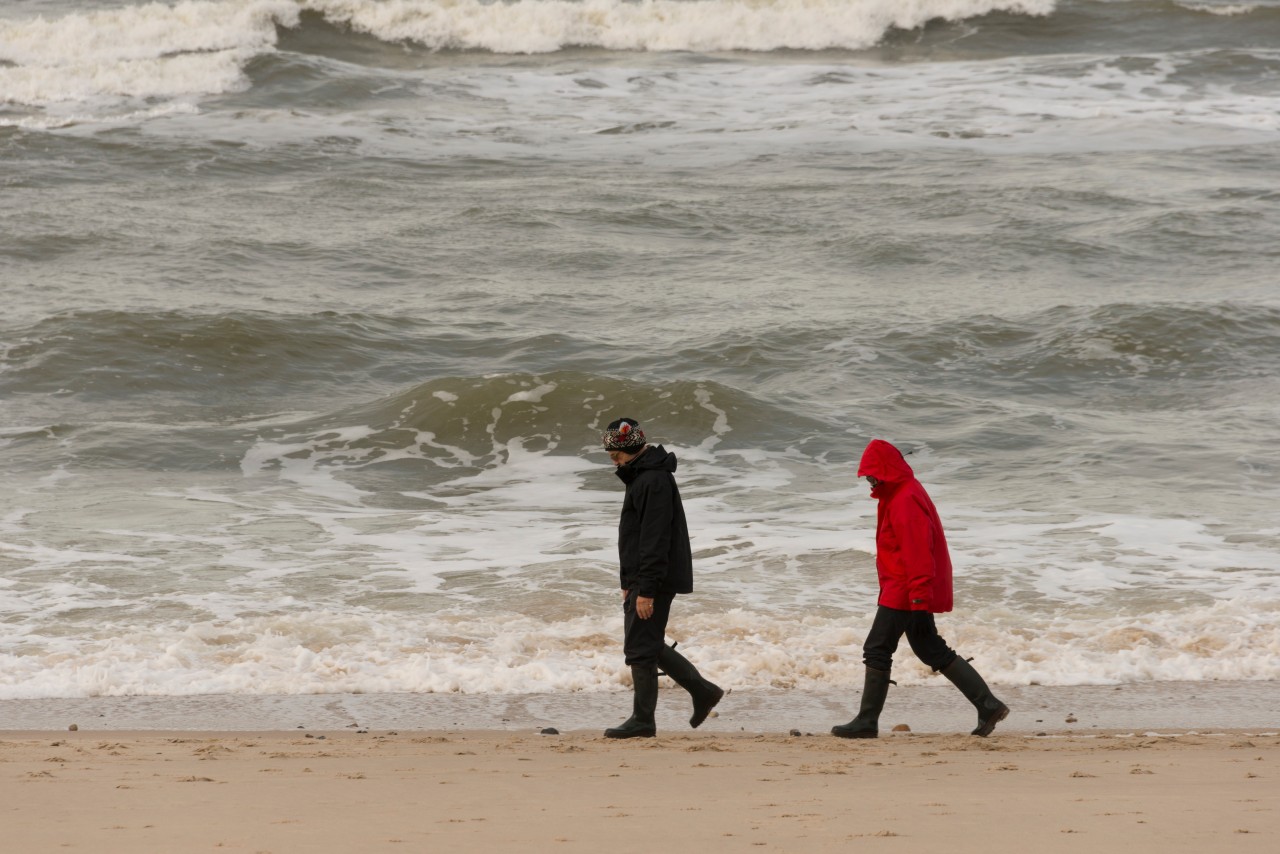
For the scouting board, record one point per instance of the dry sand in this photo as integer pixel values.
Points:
(481, 791)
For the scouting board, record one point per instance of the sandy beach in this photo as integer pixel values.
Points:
(348, 791)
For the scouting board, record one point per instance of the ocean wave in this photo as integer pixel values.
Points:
(478, 422)
(1054, 350)
(380, 367)
(371, 410)
(152, 31)
(117, 354)
(1069, 345)
(237, 398)
(203, 47)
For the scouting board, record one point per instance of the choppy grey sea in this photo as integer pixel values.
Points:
(313, 313)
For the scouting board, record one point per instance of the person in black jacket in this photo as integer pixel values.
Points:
(655, 564)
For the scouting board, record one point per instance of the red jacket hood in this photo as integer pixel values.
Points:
(884, 462)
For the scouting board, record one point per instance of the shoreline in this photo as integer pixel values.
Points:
(1134, 707)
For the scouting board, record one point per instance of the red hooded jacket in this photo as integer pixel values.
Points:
(911, 550)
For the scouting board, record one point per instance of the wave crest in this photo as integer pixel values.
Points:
(543, 26)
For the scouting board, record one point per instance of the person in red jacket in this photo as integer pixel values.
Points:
(915, 583)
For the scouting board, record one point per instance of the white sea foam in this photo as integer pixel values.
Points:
(145, 78)
(56, 119)
(1228, 9)
(144, 32)
(325, 651)
(504, 580)
(540, 26)
(137, 52)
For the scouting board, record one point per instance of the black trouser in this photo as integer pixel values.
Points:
(888, 628)
(643, 640)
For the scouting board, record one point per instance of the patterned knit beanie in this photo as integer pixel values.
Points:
(624, 435)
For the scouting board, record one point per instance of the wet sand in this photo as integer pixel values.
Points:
(1137, 707)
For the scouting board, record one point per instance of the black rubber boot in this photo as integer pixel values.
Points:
(644, 678)
(990, 710)
(875, 688)
(705, 694)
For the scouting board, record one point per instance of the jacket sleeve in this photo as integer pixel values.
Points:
(655, 502)
(914, 530)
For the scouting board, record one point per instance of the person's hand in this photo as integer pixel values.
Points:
(644, 607)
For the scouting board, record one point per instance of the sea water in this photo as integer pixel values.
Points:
(313, 313)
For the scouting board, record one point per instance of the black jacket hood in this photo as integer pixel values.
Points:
(652, 457)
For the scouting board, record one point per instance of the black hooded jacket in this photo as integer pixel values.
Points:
(653, 536)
